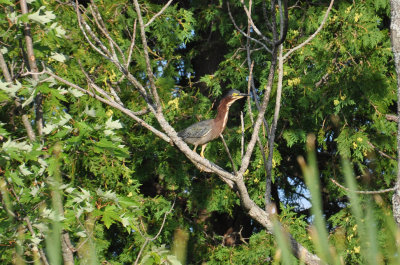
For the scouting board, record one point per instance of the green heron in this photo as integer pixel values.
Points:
(203, 132)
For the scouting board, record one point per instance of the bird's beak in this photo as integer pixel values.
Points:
(241, 95)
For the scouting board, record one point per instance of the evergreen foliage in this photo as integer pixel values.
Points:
(125, 196)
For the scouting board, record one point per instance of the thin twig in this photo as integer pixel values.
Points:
(313, 35)
(147, 239)
(103, 51)
(25, 120)
(242, 141)
(284, 21)
(229, 153)
(362, 192)
(92, 83)
(250, 65)
(271, 139)
(150, 74)
(128, 60)
(163, 222)
(158, 14)
(113, 104)
(381, 152)
(254, 27)
(141, 250)
(100, 25)
(41, 252)
(243, 33)
(259, 143)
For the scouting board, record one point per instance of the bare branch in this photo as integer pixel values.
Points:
(381, 152)
(251, 79)
(394, 36)
(271, 139)
(24, 116)
(313, 35)
(150, 74)
(81, 22)
(254, 27)
(33, 67)
(322, 80)
(360, 191)
(93, 84)
(163, 222)
(100, 25)
(391, 117)
(147, 239)
(257, 124)
(113, 104)
(243, 33)
(284, 21)
(229, 153)
(242, 141)
(128, 61)
(259, 143)
(158, 14)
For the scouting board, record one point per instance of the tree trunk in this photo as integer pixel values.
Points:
(395, 38)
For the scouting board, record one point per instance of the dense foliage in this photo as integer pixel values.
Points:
(121, 193)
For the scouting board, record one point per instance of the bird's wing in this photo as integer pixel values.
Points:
(196, 130)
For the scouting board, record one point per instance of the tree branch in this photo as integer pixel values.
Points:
(313, 35)
(158, 14)
(360, 191)
(169, 134)
(271, 139)
(113, 104)
(229, 153)
(25, 120)
(381, 152)
(253, 26)
(243, 33)
(33, 67)
(149, 71)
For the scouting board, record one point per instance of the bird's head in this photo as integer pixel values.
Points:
(234, 95)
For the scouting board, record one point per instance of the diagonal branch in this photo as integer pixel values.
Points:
(128, 61)
(148, 239)
(229, 153)
(247, 35)
(24, 116)
(158, 14)
(253, 26)
(100, 25)
(362, 191)
(313, 35)
(112, 104)
(150, 74)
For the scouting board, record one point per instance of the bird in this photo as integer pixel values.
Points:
(205, 131)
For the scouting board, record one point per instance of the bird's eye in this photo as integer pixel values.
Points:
(234, 94)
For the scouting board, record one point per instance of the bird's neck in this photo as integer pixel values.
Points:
(222, 114)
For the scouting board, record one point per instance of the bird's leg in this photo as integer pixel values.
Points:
(203, 147)
(195, 147)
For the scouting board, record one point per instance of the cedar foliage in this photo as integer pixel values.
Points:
(119, 181)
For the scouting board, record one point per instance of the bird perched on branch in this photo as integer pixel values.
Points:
(203, 132)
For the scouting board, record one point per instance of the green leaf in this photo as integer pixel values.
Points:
(43, 19)
(16, 179)
(110, 215)
(58, 57)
